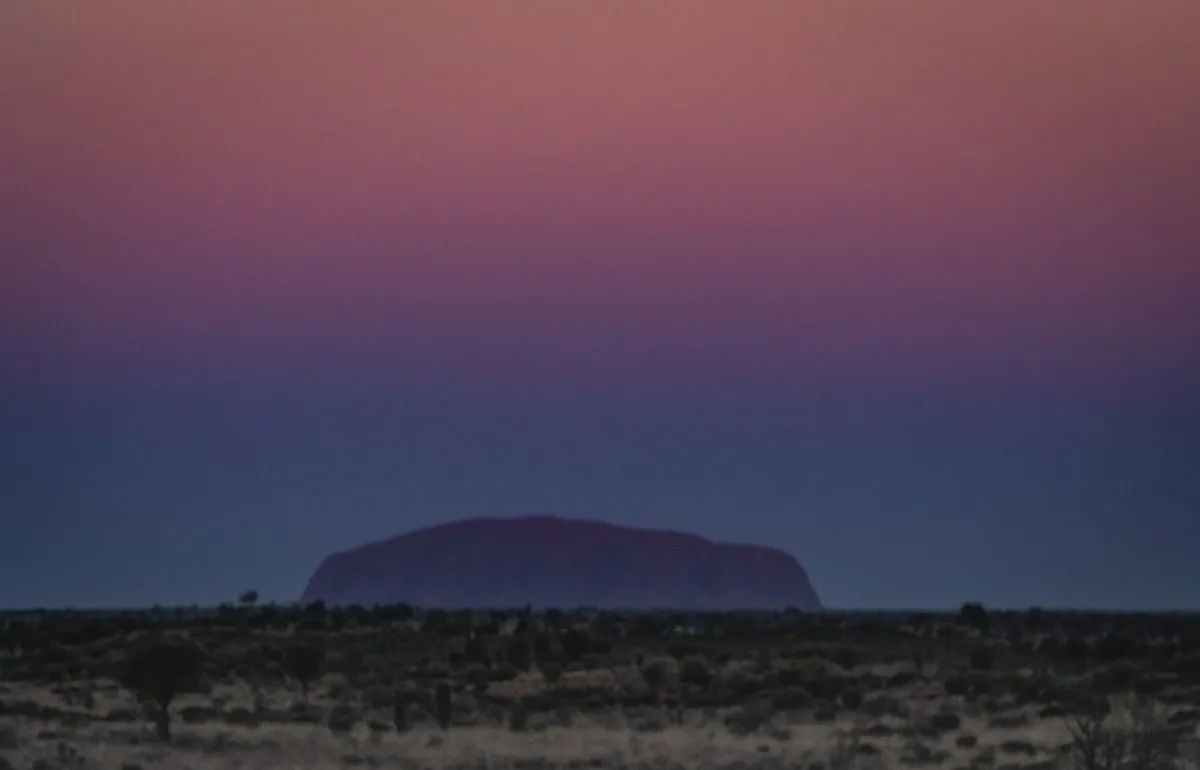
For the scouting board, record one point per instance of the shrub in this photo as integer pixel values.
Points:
(825, 714)
(884, 704)
(575, 643)
(1075, 649)
(852, 698)
(160, 669)
(695, 671)
(749, 718)
(1124, 732)
(945, 721)
(400, 706)
(975, 616)
(518, 718)
(546, 648)
(304, 663)
(551, 672)
(659, 673)
(1121, 675)
(791, 699)
(827, 688)
(342, 719)
(443, 704)
(981, 658)
(476, 651)
(957, 684)
(519, 653)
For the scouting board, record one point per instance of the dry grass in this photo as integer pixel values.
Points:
(609, 739)
(821, 693)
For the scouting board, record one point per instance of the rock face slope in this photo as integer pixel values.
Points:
(547, 561)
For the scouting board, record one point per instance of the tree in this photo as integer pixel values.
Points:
(443, 704)
(519, 653)
(695, 671)
(973, 615)
(575, 643)
(304, 663)
(158, 670)
(476, 651)
(249, 599)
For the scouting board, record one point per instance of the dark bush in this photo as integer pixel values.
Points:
(304, 662)
(973, 615)
(945, 721)
(846, 657)
(852, 698)
(981, 658)
(551, 672)
(400, 706)
(519, 653)
(158, 670)
(575, 644)
(791, 699)
(476, 651)
(658, 673)
(695, 671)
(443, 704)
(956, 684)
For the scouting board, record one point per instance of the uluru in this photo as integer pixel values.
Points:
(549, 561)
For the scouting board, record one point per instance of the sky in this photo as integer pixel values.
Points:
(909, 290)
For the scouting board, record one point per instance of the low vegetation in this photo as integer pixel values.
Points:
(262, 686)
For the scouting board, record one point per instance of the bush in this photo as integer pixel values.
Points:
(695, 671)
(551, 672)
(975, 616)
(852, 698)
(518, 718)
(519, 653)
(575, 643)
(791, 699)
(160, 669)
(1126, 732)
(546, 648)
(956, 684)
(749, 718)
(1121, 675)
(342, 719)
(476, 651)
(400, 706)
(304, 663)
(660, 673)
(945, 721)
(981, 658)
(828, 688)
(443, 704)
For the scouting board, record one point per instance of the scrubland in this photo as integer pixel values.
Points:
(307, 687)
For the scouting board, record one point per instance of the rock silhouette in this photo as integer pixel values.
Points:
(547, 561)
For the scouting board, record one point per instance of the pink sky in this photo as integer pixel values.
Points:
(637, 184)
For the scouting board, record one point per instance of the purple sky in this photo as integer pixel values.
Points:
(909, 292)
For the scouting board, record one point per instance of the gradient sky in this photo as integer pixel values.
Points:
(911, 290)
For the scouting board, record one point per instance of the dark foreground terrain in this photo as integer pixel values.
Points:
(273, 687)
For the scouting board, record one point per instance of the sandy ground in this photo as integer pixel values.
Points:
(600, 740)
